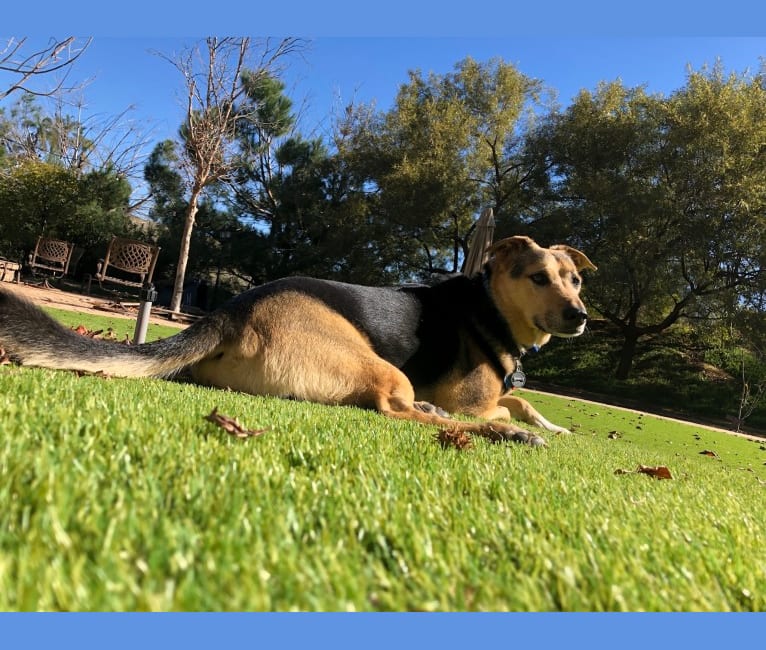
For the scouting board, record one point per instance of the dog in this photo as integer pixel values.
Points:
(413, 352)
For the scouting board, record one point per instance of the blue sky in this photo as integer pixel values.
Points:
(125, 72)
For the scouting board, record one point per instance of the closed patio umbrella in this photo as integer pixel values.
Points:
(481, 240)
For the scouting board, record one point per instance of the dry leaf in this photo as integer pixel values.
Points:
(107, 335)
(231, 426)
(613, 435)
(453, 438)
(660, 471)
(96, 373)
(708, 452)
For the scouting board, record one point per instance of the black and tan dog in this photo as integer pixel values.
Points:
(410, 352)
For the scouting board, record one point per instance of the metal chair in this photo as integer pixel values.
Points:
(127, 262)
(10, 271)
(52, 255)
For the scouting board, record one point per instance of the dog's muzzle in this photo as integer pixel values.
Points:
(575, 316)
(573, 321)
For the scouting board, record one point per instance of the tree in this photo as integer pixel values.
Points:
(42, 198)
(666, 194)
(295, 201)
(25, 68)
(451, 145)
(209, 133)
(163, 174)
(60, 133)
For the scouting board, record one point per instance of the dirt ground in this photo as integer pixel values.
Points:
(74, 301)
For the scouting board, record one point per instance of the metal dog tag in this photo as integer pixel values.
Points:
(518, 379)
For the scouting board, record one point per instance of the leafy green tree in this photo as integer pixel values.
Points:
(451, 145)
(666, 194)
(43, 198)
(34, 198)
(301, 212)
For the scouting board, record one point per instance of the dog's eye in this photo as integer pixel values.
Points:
(576, 281)
(539, 279)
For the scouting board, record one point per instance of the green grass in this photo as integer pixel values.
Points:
(119, 495)
(121, 327)
(672, 371)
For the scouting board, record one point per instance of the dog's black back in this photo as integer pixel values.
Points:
(419, 329)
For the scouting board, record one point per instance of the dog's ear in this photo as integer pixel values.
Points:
(510, 246)
(579, 258)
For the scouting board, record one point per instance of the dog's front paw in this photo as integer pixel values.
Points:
(427, 407)
(549, 426)
(506, 433)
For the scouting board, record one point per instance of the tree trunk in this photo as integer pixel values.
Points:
(183, 255)
(627, 353)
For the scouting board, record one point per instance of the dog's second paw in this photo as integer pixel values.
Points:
(505, 433)
(549, 426)
(427, 407)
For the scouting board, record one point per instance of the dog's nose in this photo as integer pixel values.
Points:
(575, 314)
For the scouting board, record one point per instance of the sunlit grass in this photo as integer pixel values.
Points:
(119, 495)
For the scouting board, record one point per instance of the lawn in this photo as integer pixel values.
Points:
(120, 495)
(675, 371)
(120, 327)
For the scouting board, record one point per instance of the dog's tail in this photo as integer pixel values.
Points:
(31, 337)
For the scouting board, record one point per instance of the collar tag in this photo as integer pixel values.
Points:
(516, 379)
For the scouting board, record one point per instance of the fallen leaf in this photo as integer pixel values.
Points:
(96, 373)
(660, 471)
(107, 335)
(453, 438)
(613, 435)
(708, 452)
(230, 425)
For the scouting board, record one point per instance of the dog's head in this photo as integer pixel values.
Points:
(537, 289)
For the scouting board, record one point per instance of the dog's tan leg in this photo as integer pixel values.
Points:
(497, 413)
(522, 410)
(395, 398)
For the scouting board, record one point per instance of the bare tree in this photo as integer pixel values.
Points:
(60, 131)
(25, 68)
(214, 112)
